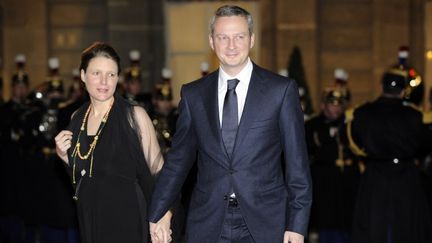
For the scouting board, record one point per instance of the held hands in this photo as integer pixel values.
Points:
(293, 237)
(160, 232)
(63, 143)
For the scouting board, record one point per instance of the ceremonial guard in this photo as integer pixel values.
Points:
(55, 207)
(414, 88)
(1, 84)
(77, 95)
(426, 162)
(1, 91)
(132, 83)
(334, 172)
(164, 117)
(341, 82)
(389, 135)
(164, 114)
(13, 156)
(53, 91)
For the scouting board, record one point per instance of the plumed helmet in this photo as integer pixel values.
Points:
(335, 96)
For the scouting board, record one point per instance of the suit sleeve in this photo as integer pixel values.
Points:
(178, 162)
(297, 174)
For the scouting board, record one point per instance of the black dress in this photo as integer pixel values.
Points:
(112, 203)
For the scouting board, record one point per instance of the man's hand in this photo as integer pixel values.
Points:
(293, 237)
(160, 232)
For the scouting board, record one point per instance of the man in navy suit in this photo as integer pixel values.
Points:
(244, 127)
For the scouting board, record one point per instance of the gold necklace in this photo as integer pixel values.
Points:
(77, 150)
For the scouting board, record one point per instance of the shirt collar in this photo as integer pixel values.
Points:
(244, 76)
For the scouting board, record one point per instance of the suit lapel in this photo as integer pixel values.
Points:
(210, 98)
(251, 109)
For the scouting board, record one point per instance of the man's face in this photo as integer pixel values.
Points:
(231, 42)
(133, 87)
(19, 91)
(163, 106)
(333, 111)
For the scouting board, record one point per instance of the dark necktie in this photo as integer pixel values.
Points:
(230, 116)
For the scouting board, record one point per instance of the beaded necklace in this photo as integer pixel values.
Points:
(90, 152)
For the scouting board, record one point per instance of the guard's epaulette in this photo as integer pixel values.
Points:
(349, 113)
(349, 117)
(409, 104)
(308, 118)
(427, 117)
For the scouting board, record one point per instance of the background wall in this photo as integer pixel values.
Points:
(188, 43)
(361, 36)
(63, 28)
(24, 31)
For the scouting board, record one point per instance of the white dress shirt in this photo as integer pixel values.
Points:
(244, 77)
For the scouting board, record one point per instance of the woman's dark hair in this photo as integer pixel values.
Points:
(99, 49)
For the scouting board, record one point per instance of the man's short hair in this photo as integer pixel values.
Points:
(231, 10)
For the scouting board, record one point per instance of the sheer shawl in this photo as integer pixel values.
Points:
(135, 124)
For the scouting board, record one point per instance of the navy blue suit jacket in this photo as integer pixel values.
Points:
(268, 169)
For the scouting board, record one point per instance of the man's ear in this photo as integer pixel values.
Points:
(252, 40)
(211, 42)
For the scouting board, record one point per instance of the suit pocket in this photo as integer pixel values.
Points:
(199, 196)
(264, 125)
(273, 194)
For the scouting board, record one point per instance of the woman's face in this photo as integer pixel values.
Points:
(100, 78)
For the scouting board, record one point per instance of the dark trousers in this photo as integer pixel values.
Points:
(333, 236)
(234, 229)
(11, 229)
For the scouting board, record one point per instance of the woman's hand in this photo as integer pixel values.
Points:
(63, 143)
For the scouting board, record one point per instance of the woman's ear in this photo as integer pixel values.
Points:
(83, 75)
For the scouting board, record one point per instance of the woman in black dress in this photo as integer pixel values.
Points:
(112, 152)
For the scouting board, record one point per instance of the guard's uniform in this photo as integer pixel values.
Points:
(389, 135)
(334, 173)
(132, 83)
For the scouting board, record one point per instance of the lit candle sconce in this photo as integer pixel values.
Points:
(429, 55)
